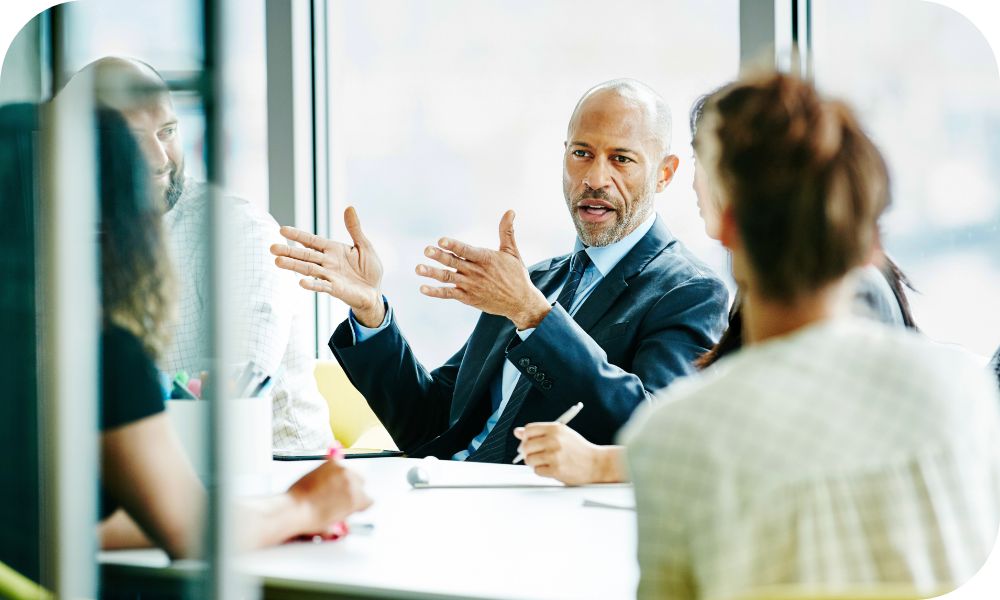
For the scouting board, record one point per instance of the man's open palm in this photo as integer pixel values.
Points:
(352, 274)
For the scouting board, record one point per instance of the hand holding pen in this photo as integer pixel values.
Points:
(555, 450)
(328, 494)
(563, 419)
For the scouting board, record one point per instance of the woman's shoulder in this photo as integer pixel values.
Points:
(131, 387)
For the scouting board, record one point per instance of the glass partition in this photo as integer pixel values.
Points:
(115, 448)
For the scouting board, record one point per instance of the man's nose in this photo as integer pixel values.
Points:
(598, 174)
(156, 154)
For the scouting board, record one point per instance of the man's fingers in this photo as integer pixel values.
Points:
(447, 293)
(545, 471)
(445, 258)
(507, 242)
(303, 254)
(539, 430)
(442, 275)
(533, 446)
(463, 250)
(317, 285)
(301, 267)
(353, 224)
(305, 238)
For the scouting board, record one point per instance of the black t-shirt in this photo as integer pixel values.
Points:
(130, 387)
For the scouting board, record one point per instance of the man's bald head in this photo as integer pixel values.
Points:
(124, 83)
(140, 94)
(644, 98)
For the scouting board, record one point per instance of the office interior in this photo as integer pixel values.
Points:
(432, 118)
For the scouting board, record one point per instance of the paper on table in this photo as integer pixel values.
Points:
(618, 497)
(591, 503)
(472, 475)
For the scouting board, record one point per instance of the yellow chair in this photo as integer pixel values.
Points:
(17, 586)
(352, 420)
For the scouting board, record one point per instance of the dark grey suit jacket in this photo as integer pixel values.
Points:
(640, 329)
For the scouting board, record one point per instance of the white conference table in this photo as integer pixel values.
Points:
(537, 541)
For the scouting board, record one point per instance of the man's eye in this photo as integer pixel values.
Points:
(580, 153)
(621, 159)
(168, 132)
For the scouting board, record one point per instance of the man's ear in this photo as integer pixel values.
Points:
(729, 231)
(667, 169)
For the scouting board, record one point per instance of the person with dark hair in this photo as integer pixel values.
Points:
(265, 305)
(149, 492)
(831, 450)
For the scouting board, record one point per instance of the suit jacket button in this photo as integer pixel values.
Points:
(532, 370)
(524, 362)
(539, 377)
(547, 384)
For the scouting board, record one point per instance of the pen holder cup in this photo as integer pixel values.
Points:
(248, 434)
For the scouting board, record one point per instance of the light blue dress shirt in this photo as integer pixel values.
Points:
(603, 259)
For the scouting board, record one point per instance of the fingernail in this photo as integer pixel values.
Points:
(443, 243)
(420, 269)
(423, 289)
(428, 251)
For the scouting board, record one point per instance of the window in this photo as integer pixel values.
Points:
(445, 113)
(925, 83)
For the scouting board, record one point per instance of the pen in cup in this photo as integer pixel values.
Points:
(564, 418)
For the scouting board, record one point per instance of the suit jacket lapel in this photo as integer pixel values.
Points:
(616, 282)
(546, 280)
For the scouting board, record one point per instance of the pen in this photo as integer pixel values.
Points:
(564, 418)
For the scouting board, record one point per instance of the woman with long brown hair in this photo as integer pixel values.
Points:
(149, 491)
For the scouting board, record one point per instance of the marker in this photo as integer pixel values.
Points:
(564, 418)
(179, 392)
(264, 384)
(194, 386)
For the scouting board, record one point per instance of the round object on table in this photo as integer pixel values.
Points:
(418, 476)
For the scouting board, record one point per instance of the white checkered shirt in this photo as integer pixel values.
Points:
(844, 453)
(268, 319)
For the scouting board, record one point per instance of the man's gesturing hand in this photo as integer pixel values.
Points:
(494, 281)
(352, 274)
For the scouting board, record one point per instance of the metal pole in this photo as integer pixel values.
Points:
(219, 524)
(70, 325)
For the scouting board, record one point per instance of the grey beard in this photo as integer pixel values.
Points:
(623, 226)
(174, 191)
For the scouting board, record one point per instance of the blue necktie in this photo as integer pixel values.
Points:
(494, 446)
